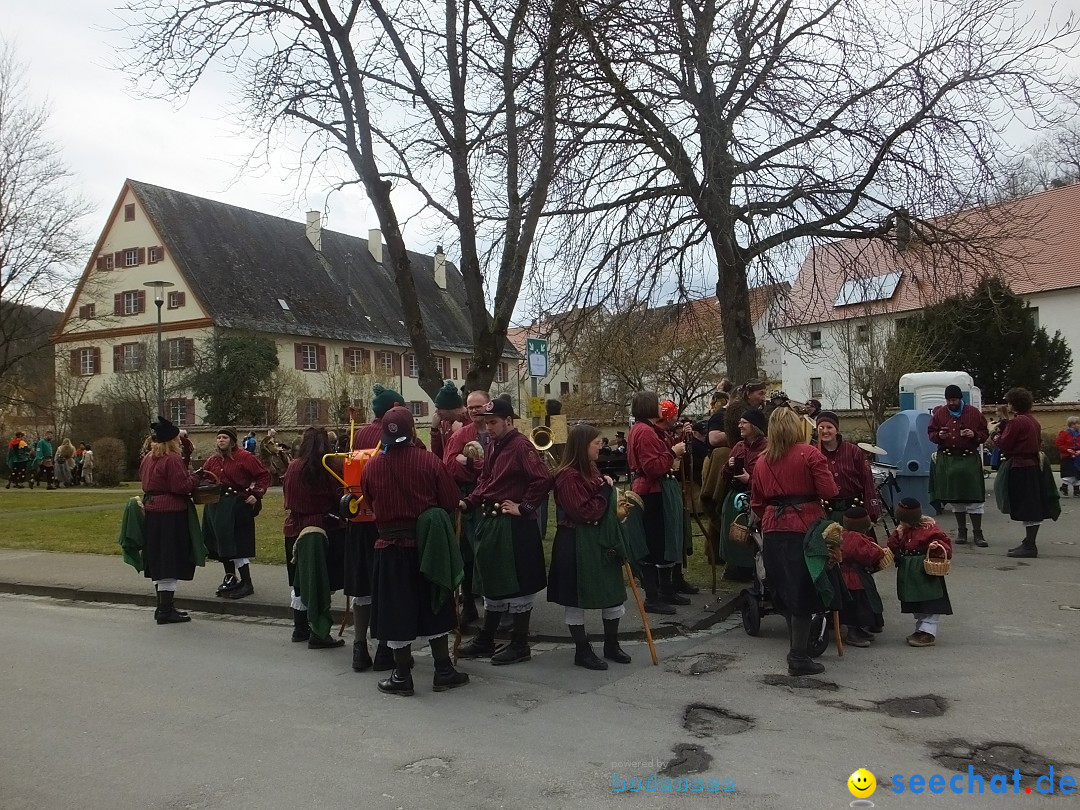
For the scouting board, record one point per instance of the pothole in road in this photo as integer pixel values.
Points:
(994, 759)
(698, 663)
(918, 706)
(687, 759)
(703, 720)
(1006, 568)
(799, 682)
(431, 767)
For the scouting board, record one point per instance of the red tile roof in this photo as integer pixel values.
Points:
(1035, 243)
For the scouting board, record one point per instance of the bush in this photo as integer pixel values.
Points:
(110, 462)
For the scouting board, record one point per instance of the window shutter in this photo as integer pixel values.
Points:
(75, 369)
(189, 412)
(100, 262)
(324, 411)
(181, 299)
(118, 259)
(118, 304)
(365, 361)
(189, 352)
(97, 360)
(504, 371)
(396, 361)
(142, 256)
(300, 403)
(142, 300)
(117, 359)
(140, 356)
(298, 357)
(320, 358)
(424, 408)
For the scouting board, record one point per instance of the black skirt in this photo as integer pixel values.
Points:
(1027, 499)
(168, 546)
(359, 558)
(1068, 468)
(401, 603)
(941, 605)
(335, 559)
(857, 610)
(786, 574)
(653, 521)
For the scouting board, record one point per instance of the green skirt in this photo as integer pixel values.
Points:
(956, 479)
(737, 554)
(913, 584)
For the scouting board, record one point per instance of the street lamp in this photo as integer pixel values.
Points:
(159, 299)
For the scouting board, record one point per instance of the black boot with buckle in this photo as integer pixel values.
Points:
(400, 680)
(518, 649)
(446, 677)
(482, 645)
(245, 588)
(167, 612)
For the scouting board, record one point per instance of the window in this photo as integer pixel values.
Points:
(502, 372)
(414, 366)
(311, 411)
(862, 333)
(131, 257)
(547, 388)
(816, 389)
(129, 212)
(180, 411)
(176, 299)
(384, 362)
(179, 352)
(309, 357)
(356, 360)
(155, 255)
(443, 365)
(106, 262)
(1034, 316)
(86, 311)
(418, 408)
(815, 340)
(127, 357)
(129, 302)
(564, 388)
(466, 366)
(85, 362)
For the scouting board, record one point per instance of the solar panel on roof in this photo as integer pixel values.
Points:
(864, 290)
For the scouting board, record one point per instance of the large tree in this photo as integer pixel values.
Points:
(231, 374)
(40, 239)
(455, 101)
(992, 334)
(732, 136)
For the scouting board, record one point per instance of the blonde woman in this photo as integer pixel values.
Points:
(788, 484)
(65, 463)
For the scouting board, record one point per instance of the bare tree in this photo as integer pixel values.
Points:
(134, 385)
(456, 101)
(732, 136)
(40, 239)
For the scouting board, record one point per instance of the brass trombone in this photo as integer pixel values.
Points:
(543, 440)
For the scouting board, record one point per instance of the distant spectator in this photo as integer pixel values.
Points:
(1068, 445)
(251, 444)
(88, 466)
(18, 460)
(186, 448)
(42, 463)
(64, 467)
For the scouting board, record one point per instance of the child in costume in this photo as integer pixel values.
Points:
(861, 558)
(920, 593)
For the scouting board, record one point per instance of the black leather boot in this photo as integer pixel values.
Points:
(1027, 549)
(301, 631)
(446, 677)
(245, 588)
(230, 583)
(961, 528)
(798, 661)
(167, 612)
(584, 655)
(976, 527)
(681, 585)
(612, 650)
(361, 658)
(650, 581)
(400, 680)
(384, 658)
(518, 649)
(668, 594)
(482, 645)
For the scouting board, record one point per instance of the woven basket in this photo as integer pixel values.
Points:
(887, 560)
(739, 530)
(939, 565)
(207, 491)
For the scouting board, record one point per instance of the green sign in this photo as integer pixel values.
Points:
(537, 351)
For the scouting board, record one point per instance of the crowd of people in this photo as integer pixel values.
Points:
(429, 532)
(65, 465)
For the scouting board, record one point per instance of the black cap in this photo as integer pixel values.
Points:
(499, 407)
(398, 426)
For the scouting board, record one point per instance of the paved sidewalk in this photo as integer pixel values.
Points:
(100, 578)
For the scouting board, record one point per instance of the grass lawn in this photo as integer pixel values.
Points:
(82, 521)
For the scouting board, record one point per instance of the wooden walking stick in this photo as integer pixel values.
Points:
(346, 616)
(836, 632)
(456, 596)
(641, 609)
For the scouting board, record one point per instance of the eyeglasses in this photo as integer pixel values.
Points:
(476, 407)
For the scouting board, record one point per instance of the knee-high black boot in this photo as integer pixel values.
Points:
(612, 650)
(301, 630)
(245, 588)
(668, 593)
(482, 645)
(446, 677)
(167, 612)
(799, 663)
(400, 680)
(650, 581)
(584, 655)
(518, 648)
(361, 658)
(976, 527)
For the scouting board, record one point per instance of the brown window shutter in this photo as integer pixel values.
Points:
(300, 408)
(189, 411)
(117, 359)
(504, 371)
(181, 299)
(298, 357)
(118, 259)
(75, 363)
(320, 358)
(142, 300)
(189, 352)
(142, 256)
(100, 262)
(324, 411)
(365, 361)
(140, 356)
(424, 408)
(396, 362)
(97, 360)
(118, 304)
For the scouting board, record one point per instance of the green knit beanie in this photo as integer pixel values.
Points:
(448, 398)
(384, 400)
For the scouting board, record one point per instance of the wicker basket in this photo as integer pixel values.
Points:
(207, 491)
(936, 565)
(887, 560)
(739, 530)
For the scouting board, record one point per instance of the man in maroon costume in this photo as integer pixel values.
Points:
(510, 563)
(956, 477)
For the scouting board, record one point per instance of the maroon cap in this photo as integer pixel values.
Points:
(398, 426)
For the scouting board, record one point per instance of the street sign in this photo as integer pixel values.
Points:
(537, 408)
(537, 350)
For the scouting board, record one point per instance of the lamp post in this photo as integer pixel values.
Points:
(159, 299)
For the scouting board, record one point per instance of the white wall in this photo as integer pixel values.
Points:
(1060, 310)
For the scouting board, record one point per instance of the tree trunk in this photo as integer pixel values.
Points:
(733, 296)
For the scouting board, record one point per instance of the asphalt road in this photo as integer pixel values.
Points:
(101, 708)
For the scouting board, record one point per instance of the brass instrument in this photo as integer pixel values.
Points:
(543, 440)
(627, 500)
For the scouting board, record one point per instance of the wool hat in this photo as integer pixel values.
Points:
(384, 400)
(814, 403)
(668, 409)
(398, 426)
(828, 416)
(756, 418)
(857, 519)
(163, 430)
(448, 398)
(228, 431)
(909, 511)
(499, 407)
(753, 385)
(953, 392)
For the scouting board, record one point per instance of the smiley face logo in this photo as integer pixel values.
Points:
(862, 784)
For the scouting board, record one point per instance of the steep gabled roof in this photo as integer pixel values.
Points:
(239, 263)
(1035, 247)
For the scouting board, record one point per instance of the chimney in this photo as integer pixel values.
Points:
(314, 229)
(374, 244)
(440, 268)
